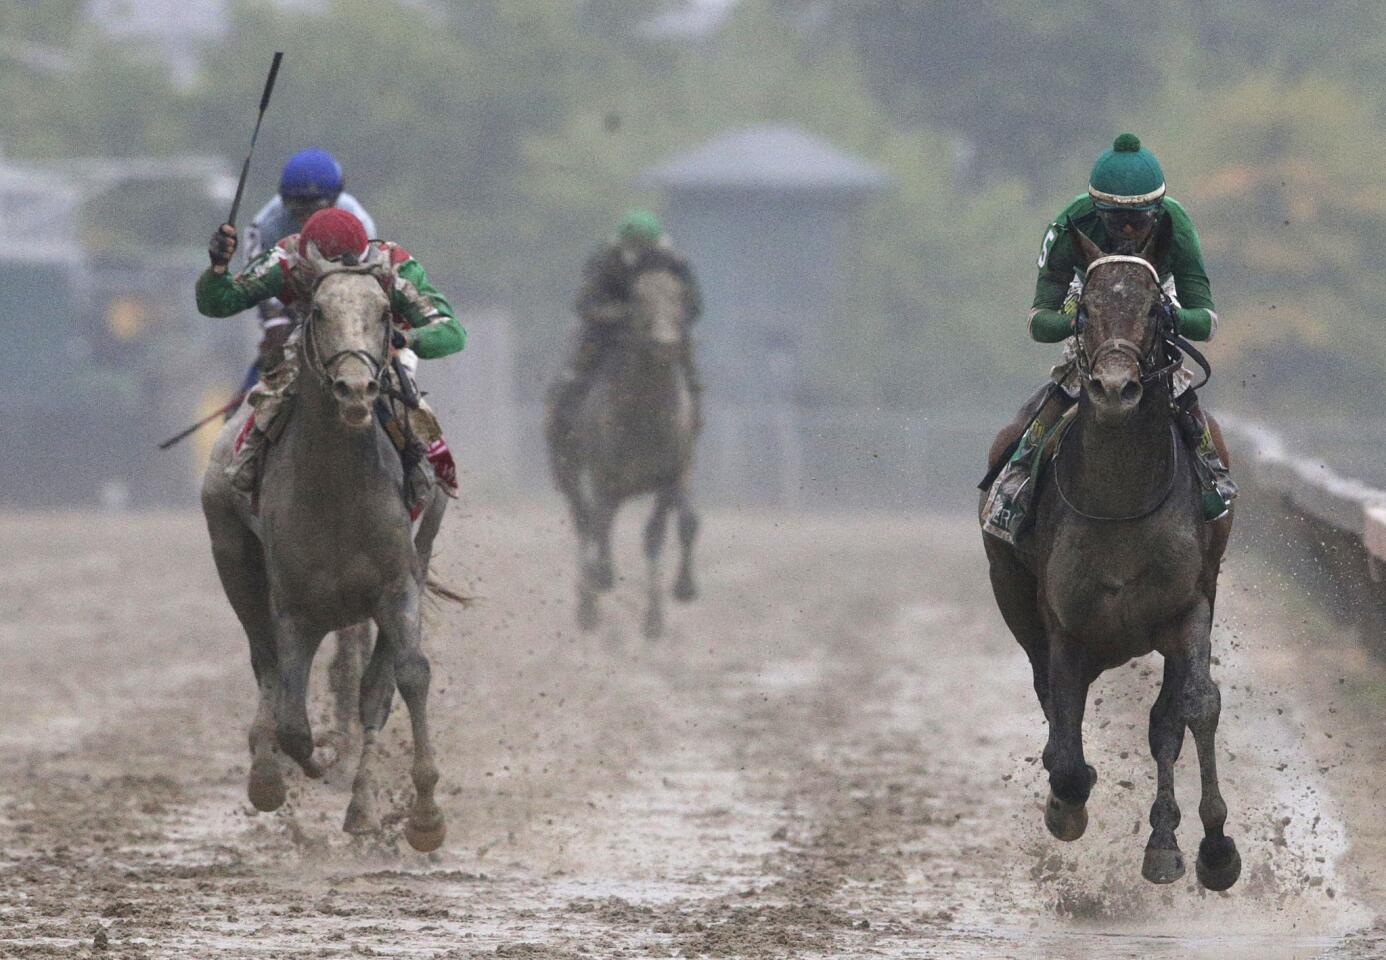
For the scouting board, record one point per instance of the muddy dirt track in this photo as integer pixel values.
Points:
(832, 754)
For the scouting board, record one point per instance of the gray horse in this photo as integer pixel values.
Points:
(1120, 563)
(330, 549)
(633, 435)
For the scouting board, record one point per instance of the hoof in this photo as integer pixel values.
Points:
(361, 819)
(1066, 821)
(1162, 865)
(266, 788)
(684, 591)
(603, 577)
(587, 613)
(1219, 864)
(428, 838)
(654, 626)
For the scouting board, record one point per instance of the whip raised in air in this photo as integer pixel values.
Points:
(245, 167)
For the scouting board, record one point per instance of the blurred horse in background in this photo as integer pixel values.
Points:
(634, 434)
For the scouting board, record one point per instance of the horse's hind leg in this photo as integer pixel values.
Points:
(344, 677)
(377, 693)
(655, 529)
(684, 589)
(1070, 777)
(399, 622)
(1163, 861)
(1016, 590)
(1219, 865)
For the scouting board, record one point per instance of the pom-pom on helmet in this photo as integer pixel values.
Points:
(1126, 177)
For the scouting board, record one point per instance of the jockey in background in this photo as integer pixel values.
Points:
(311, 181)
(423, 321)
(1124, 205)
(604, 307)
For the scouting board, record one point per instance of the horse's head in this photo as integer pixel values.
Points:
(659, 314)
(1120, 319)
(346, 337)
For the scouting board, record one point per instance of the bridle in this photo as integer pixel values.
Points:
(1168, 347)
(324, 368)
(1166, 352)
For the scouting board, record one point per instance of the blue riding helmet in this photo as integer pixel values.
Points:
(311, 174)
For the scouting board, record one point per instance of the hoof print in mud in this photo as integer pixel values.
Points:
(1219, 864)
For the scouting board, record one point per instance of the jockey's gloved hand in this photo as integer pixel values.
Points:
(399, 339)
(222, 247)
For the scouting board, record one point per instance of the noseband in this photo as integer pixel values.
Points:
(325, 367)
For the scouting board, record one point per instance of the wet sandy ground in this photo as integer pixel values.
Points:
(832, 753)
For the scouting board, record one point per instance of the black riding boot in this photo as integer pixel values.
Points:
(1214, 480)
(1008, 503)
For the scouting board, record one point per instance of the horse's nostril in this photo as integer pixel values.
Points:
(1131, 392)
(372, 389)
(340, 389)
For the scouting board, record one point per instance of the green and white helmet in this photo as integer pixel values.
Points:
(1126, 177)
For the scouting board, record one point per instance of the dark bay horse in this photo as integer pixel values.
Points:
(1121, 563)
(330, 548)
(634, 434)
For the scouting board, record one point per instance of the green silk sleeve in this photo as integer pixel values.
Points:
(222, 295)
(1197, 315)
(437, 332)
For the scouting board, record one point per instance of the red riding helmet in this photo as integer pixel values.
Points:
(336, 233)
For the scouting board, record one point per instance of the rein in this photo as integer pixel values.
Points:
(1140, 514)
(1169, 345)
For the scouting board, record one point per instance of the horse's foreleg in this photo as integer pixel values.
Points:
(241, 567)
(655, 529)
(377, 692)
(1163, 861)
(425, 827)
(601, 573)
(296, 648)
(684, 588)
(1219, 865)
(1070, 777)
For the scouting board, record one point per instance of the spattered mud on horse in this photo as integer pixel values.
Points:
(327, 543)
(1122, 562)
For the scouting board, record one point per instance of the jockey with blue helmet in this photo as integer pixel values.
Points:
(311, 181)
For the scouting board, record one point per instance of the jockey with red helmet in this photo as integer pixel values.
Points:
(311, 180)
(424, 321)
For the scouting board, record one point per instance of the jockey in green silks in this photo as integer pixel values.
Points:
(1124, 204)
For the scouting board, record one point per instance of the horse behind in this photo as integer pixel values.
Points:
(329, 548)
(1120, 563)
(633, 434)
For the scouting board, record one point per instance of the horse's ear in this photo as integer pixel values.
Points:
(1083, 247)
(317, 263)
(1157, 246)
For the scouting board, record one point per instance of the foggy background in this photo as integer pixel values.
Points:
(862, 185)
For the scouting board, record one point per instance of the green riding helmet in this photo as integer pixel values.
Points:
(640, 226)
(1126, 177)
